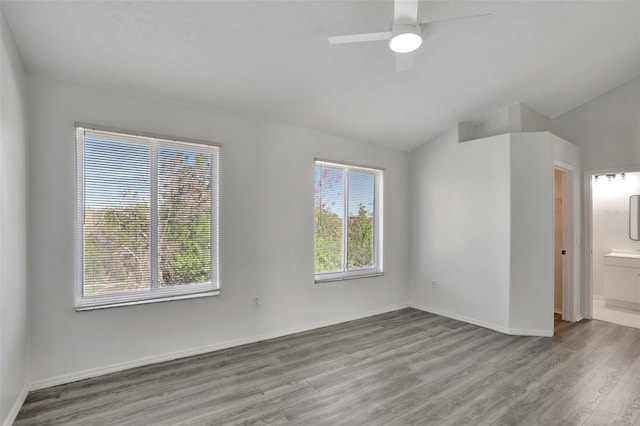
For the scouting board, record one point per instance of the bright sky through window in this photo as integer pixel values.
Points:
(116, 173)
(327, 180)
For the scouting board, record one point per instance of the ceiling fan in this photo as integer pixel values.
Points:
(407, 31)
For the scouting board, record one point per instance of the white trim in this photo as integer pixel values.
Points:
(15, 409)
(160, 295)
(341, 164)
(499, 328)
(378, 217)
(99, 371)
(490, 326)
(154, 293)
(79, 218)
(341, 276)
(572, 289)
(378, 223)
(94, 307)
(215, 217)
(145, 135)
(153, 218)
(588, 244)
(530, 333)
(588, 230)
(345, 219)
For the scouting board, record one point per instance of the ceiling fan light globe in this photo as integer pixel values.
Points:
(405, 38)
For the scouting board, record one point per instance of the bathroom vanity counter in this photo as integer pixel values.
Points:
(622, 258)
(622, 279)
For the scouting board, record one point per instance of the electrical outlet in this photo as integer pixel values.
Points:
(434, 284)
(256, 302)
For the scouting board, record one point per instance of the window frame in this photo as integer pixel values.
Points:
(378, 231)
(155, 294)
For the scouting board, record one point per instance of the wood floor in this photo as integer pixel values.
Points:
(404, 367)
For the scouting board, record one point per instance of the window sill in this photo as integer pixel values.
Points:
(82, 308)
(327, 278)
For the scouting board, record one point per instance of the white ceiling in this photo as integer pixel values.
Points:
(271, 59)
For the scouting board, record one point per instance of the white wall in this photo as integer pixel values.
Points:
(267, 178)
(532, 244)
(503, 122)
(512, 119)
(533, 157)
(611, 221)
(13, 228)
(460, 228)
(532, 121)
(607, 129)
(482, 216)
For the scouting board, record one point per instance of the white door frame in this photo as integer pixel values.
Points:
(588, 230)
(571, 288)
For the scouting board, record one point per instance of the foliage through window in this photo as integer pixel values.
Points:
(347, 247)
(147, 219)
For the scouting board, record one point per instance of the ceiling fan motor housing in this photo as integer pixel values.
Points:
(405, 38)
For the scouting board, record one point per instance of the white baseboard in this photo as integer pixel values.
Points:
(99, 371)
(15, 409)
(528, 332)
(498, 328)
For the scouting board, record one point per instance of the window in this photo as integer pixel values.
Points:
(147, 219)
(348, 221)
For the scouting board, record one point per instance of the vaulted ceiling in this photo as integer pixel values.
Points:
(271, 59)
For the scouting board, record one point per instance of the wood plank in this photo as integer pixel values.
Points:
(624, 399)
(602, 417)
(398, 368)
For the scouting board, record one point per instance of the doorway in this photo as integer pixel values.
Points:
(565, 258)
(558, 256)
(612, 299)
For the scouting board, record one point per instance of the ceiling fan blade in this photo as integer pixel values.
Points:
(405, 11)
(465, 24)
(359, 38)
(404, 61)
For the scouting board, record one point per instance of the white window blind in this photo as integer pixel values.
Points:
(147, 219)
(348, 224)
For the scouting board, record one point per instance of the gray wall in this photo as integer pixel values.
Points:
(460, 215)
(267, 192)
(531, 233)
(607, 129)
(481, 215)
(13, 228)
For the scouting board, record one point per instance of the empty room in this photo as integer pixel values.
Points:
(316, 212)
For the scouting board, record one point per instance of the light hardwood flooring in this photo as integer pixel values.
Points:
(403, 367)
